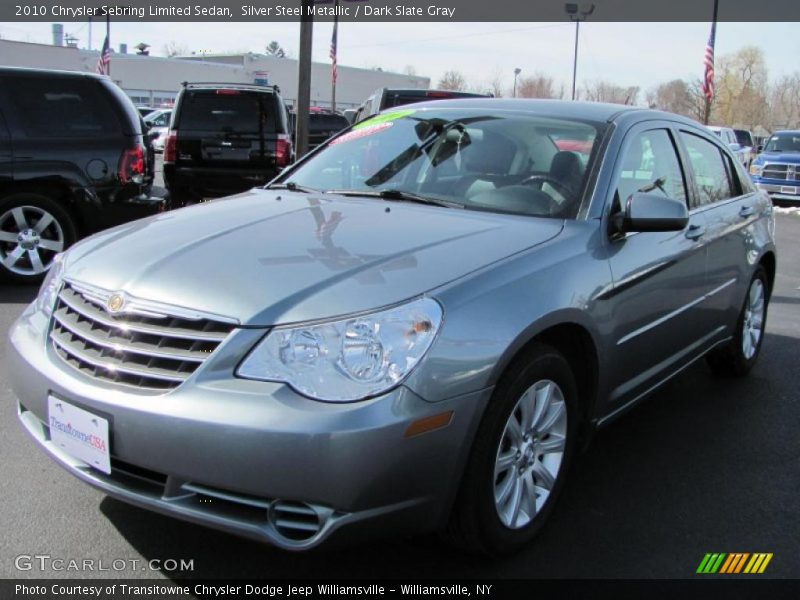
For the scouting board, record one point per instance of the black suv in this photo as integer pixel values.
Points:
(73, 160)
(322, 125)
(225, 138)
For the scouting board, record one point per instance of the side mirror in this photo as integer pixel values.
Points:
(152, 134)
(651, 212)
(760, 148)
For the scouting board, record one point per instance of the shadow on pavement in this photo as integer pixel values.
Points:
(17, 294)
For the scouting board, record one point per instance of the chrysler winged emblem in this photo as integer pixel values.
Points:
(115, 303)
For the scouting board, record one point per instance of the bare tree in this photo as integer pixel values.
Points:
(537, 85)
(741, 84)
(605, 91)
(784, 103)
(453, 80)
(172, 48)
(496, 83)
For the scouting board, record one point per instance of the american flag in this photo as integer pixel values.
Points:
(708, 61)
(334, 46)
(104, 62)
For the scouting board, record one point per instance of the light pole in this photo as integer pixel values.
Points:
(517, 71)
(577, 14)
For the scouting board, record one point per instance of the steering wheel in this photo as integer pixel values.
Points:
(556, 183)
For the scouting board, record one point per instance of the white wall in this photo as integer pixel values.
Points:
(162, 77)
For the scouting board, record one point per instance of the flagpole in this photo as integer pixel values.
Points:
(108, 37)
(709, 98)
(335, 55)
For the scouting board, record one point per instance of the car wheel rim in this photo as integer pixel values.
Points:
(753, 326)
(29, 239)
(530, 454)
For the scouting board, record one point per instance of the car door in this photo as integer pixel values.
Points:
(730, 205)
(658, 277)
(6, 155)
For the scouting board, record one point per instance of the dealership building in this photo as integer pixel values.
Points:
(155, 81)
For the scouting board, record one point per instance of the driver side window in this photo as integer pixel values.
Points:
(650, 164)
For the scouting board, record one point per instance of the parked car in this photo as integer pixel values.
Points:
(413, 329)
(777, 169)
(157, 124)
(73, 161)
(225, 138)
(745, 140)
(322, 125)
(385, 98)
(728, 136)
(350, 115)
(158, 118)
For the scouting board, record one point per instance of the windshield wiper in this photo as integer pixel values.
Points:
(293, 187)
(400, 195)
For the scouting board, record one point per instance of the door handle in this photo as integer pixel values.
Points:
(746, 211)
(695, 232)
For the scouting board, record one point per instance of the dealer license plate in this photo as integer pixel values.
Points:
(787, 189)
(79, 433)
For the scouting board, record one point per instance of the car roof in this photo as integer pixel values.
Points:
(785, 131)
(590, 111)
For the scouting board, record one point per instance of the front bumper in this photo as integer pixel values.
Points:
(248, 457)
(788, 190)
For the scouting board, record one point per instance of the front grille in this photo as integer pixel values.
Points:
(147, 348)
(781, 171)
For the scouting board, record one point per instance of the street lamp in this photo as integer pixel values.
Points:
(517, 71)
(577, 14)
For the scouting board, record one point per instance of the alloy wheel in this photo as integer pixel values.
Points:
(29, 239)
(530, 454)
(753, 324)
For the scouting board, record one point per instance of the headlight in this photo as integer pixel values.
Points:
(756, 170)
(348, 359)
(51, 285)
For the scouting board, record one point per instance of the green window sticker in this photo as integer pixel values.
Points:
(384, 118)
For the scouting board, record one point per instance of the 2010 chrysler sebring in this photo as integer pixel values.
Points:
(409, 330)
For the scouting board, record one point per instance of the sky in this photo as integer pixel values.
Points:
(628, 54)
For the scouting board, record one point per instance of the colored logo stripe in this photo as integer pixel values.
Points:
(734, 562)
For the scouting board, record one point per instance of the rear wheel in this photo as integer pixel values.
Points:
(739, 356)
(520, 456)
(33, 229)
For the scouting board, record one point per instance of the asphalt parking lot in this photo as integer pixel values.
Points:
(705, 465)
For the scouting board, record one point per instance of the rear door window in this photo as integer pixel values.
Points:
(712, 177)
(226, 111)
(63, 108)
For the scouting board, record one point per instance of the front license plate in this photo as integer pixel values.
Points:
(787, 189)
(79, 433)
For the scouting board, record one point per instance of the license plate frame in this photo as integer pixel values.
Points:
(79, 433)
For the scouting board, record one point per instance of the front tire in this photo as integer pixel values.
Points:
(520, 456)
(737, 357)
(33, 229)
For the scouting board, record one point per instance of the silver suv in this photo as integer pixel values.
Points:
(410, 330)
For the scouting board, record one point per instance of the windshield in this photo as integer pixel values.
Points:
(503, 162)
(784, 142)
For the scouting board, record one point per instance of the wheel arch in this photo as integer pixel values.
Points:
(769, 263)
(573, 338)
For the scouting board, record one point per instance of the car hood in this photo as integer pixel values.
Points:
(266, 258)
(787, 157)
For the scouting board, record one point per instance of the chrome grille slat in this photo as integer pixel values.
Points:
(69, 321)
(101, 362)
(789, 172)
(154, 351)
(91, 312)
